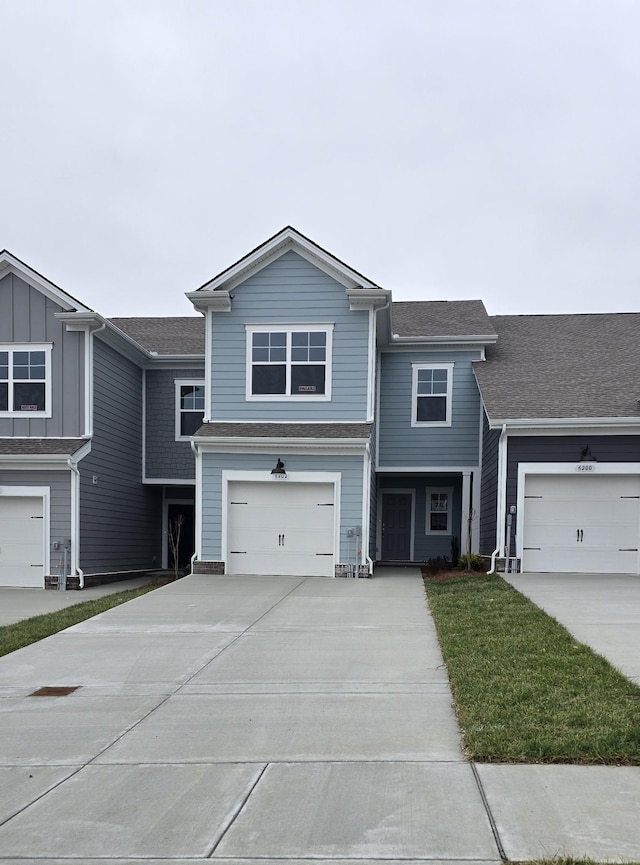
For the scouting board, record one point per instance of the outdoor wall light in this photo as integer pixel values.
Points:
(279, 470)
(586, 455)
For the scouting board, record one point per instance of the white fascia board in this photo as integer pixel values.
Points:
(368, 298)
(542, 425)
(36, 462)
(468, 340)
(125, 344)
(425, 470)
(11, 264)
(285, 240)
(206, 299)
(170, 482)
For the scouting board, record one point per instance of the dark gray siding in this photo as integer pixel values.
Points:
(565, 449)
(120, 518)
(488, 489)
(27, 316)
(165, 457)
(59, 483)
(400, 444)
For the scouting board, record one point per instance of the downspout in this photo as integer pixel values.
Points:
(197, 509)
(75, 522)
(500, 504)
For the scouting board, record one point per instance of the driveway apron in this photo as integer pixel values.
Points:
(252, 718)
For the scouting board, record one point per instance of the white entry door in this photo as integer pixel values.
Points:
(581, 523)
(278, 527)
(21, 541)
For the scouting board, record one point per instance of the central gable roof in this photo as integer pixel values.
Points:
(286, 239)
(9, 263)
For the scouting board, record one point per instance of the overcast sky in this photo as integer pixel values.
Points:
(446, 149)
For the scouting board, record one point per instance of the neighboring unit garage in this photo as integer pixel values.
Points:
(280, 527)
(23, 530)
(579, 518)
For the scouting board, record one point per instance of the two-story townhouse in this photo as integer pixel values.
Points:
(561, 455)
(340, 429)
(82, 497)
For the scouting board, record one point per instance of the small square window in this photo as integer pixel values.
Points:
(190, 404)
(432, 388)
(439, 502)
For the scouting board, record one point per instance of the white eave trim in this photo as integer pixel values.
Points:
(467, 339)
(285, 240)
(368, 298)
(206, 299)
(268, 443)
(564, 423)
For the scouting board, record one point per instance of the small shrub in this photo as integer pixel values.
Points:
(472, 562)
(437, 564)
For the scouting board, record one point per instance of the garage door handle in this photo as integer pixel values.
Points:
(579, 535)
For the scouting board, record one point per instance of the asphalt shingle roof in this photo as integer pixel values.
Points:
(441, 318)
(562, 366)
(32, 447)
(170, 336)
(286, 430)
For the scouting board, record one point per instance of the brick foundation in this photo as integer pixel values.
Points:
(216, 569)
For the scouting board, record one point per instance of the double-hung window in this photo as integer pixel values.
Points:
(289, 362)
(189, 407)
(439, 500)
(431, 403)
(25, 380)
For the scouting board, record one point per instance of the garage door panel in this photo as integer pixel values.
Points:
(583, 523)
(280, 528)
(21, 542)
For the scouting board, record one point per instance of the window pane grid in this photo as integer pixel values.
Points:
(23, 373)
(288, 363)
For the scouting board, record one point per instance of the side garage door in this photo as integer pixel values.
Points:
(581, 523)
(280, 528)
(21, 542)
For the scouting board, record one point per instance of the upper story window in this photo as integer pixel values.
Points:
(25, 380)
(431, 404)
(189, 407)
(289, 362)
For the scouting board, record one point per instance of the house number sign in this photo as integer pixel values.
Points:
(586, 467)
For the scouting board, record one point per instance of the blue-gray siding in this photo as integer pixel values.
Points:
(350, 467)
(166, 457)
(59, 483)
(28, 316)
(290, 290)
(427, 546)
(120, 518)
(399, 443)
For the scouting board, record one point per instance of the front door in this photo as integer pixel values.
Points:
(396, 526)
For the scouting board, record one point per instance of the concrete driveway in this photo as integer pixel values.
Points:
(601, 610)
(274, 721)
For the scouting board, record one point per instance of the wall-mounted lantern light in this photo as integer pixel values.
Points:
(279, 471)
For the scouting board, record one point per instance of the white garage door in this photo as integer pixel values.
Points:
(21, 542)
(279, 527)
(581, 523)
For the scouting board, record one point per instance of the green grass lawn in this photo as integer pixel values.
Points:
(28, 631)
(525, 690)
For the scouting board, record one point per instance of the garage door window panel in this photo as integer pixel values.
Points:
(25, 381)
(289, 364)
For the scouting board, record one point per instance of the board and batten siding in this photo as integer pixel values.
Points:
(488, 489)
(290, 290)
(120, 521)
(565, 449)
(350, 467)
(399, 443)
(59, 483)
(28, 316)
(166, 457)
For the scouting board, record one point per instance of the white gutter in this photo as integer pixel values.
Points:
(566, 422)
(501, 497)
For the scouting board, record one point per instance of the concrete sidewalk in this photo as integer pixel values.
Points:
(273, 719)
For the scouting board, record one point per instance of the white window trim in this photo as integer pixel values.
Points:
(414, 394)
(289, 329)
(179, 383)
(427, 526)
(30, 346)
